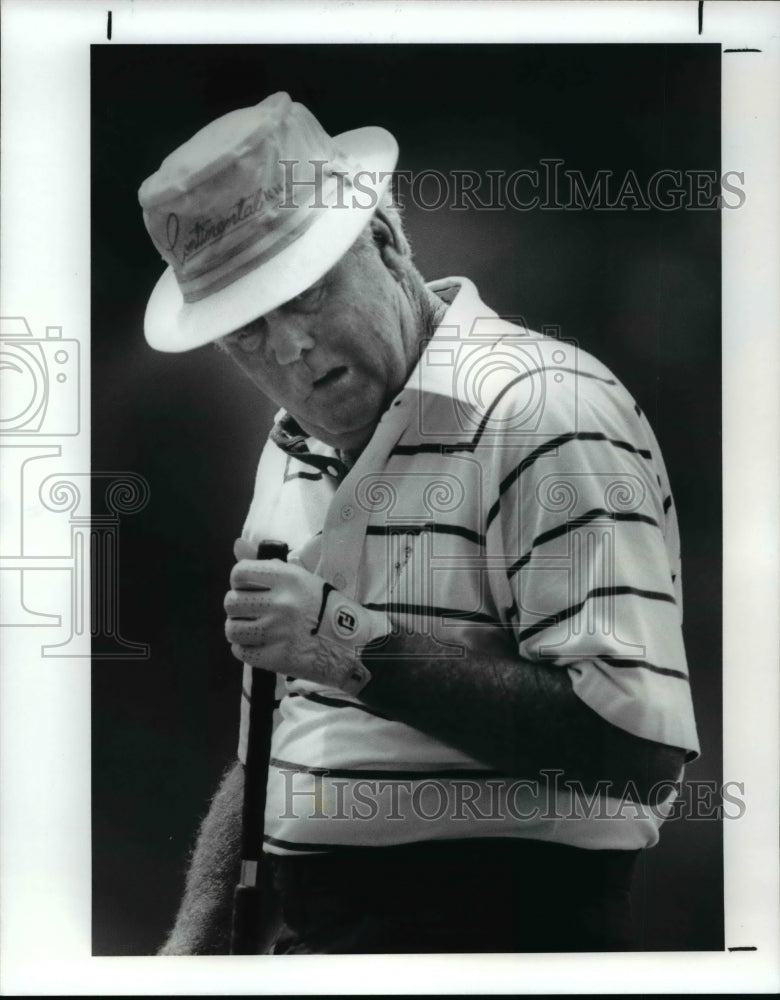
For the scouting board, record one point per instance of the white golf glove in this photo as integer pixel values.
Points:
(283, 618)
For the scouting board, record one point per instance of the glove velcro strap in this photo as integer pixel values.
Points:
(352, 627)
(326, 590)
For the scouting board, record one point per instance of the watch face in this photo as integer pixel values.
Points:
(345, 622)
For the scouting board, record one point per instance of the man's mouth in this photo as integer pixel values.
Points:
(331, 376)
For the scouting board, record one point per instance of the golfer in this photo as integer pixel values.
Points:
(484, 706)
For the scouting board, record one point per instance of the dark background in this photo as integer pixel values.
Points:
(639, 289)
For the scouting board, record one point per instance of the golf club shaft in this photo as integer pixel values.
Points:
(252, 903)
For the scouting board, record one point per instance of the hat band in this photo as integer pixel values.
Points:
(241, 264)
(239, 260)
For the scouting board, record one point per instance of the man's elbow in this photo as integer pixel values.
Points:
(665, 764)
(642, 766)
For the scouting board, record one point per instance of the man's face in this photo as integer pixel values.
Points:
(335, 355)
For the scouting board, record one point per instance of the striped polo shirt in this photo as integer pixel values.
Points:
(512, 502)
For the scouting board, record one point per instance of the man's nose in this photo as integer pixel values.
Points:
(288, 339)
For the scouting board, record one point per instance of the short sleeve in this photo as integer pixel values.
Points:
(587, 528)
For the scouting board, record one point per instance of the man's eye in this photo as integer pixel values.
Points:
(307, 300)
(247, 340)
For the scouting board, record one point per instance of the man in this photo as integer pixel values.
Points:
(484, 698)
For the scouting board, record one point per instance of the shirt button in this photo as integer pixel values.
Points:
(339, 581)
(347, 512)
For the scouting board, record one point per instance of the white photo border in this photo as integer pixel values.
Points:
(45, 751)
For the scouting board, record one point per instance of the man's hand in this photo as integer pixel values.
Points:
(284, 619)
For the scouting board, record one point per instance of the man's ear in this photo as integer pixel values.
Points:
(388, 237)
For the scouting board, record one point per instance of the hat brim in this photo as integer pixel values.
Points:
(171, 324)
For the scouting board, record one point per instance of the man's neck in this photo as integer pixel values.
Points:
(349, 457)
(432, 310)
(436, 309)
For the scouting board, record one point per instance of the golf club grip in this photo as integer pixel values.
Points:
(251, 902)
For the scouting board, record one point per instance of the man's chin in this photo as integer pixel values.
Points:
(342, 438)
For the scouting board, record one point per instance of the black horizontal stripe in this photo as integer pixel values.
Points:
(432, 448)
(561, 616)
(552, 445)
(432, 526)
(517, 566)
(572, 525)
(444, 448)
(302, 847)
(385, 775)
(489, 412)
(582, 374)
(305, 848)
(526, 463)
(328, 465)
(626, 445)
(246, 694)
(667, 504)
(322, 699)
(428, 611)
(586, 518)
(302, 475)
(616, 661)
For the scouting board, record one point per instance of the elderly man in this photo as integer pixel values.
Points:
(484, 703)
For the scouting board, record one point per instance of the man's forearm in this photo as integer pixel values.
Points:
(515, 715)
(203, 922)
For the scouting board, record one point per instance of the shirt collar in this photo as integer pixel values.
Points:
(468, 323)
(288, 435)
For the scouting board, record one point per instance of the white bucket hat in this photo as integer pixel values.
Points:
(250, 212)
